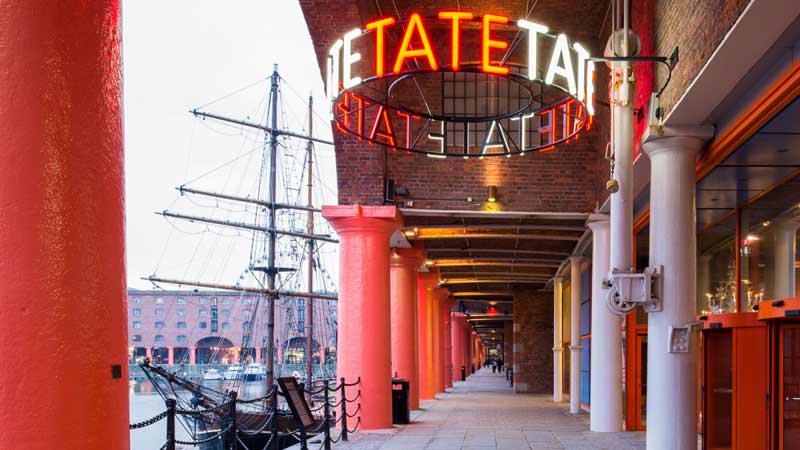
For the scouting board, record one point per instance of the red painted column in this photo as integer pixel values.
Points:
(62, 226)
(457, 344)
(448, 341)
(403, 270)
(438, 338)
(192, 355)
(364, 334)
(426, 284)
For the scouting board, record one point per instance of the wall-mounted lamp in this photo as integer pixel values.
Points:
(492, 194)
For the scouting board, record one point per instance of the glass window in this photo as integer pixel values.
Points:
(203, 312)
(159, 338)
(137, 312)
(247, 301)
(181, 339)
(136, 300)
(214, 301)
(202, 325)
(181, 324)
(159, 312)
(137, 338)
(226, 301)
(180, 300)
(214, 326)
(246, 325)
(246, 313)
(301, 302)
(180, 312)
(716, 268)
(203, 300)
(159, 301)
(137, 325)
(226, 313)
(226, 325)
(159, 325)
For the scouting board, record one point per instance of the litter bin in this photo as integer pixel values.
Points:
(401, 410)
(463, 373)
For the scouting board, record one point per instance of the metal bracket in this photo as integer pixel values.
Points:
(627, 289)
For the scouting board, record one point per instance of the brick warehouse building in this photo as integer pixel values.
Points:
(528, 250)
(214, 327)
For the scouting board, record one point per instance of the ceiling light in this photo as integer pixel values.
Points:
(428, 262)
(752, 237)
(409, 233)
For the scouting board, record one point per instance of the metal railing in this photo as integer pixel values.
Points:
(334, 398)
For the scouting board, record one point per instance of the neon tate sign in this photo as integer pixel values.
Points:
(364, 96)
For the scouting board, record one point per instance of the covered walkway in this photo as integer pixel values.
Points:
(483, 413)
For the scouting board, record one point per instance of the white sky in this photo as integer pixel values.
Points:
(179, 55)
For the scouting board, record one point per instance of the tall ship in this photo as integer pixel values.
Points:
(272, 275)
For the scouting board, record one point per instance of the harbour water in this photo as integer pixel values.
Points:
(146, 403)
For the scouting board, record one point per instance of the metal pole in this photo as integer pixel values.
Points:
(310, 230)
(343, 402)
(327, 425)
(230, 436)
(273, 425)
(171, 406)
(271, 270)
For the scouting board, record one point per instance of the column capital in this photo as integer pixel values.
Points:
(598, 222)
(576, 259)
(677, 138)
(357, 218)
(407, 257)
(428, 280)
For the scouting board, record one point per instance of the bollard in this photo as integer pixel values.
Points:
(327, 415)
(273, 426)
(171, 407)
(344, 410)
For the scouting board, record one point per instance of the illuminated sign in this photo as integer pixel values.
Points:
(460, 85)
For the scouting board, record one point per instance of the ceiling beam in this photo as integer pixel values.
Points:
(462, 233)
(491, 261)
(482, 293)
(411, 212)
(497, 250)
(497, 227)
(451, 281)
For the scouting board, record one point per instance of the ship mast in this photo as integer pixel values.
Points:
(310, 231)
(270, 271)
(273, 236)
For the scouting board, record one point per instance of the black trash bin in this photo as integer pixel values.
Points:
(463, 373)
(401, 409)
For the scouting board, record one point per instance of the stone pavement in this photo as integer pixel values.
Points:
(483, 414)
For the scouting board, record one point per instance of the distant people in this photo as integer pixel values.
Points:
(494, 366)
(500, 365)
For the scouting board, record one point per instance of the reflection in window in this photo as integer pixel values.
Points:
(716, 268)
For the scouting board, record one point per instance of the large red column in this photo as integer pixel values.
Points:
(448, 341)
(62, 227)
(438, 338)
(403, 293)
(457, 342)
(426, 285)
(364, 334)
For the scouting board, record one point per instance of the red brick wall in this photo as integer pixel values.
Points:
(571, 178)
(533, 341)
(697, 28)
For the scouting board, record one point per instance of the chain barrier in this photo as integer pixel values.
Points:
(219, 435)
(229, 433)
(148, 422)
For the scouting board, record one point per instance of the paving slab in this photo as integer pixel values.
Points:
(482, 413)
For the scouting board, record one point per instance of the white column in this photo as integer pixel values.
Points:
(672, 377)
(606, 374)
(575, 335)
(785, 256)
(558, 285)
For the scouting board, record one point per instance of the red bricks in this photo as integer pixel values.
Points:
(533, 341)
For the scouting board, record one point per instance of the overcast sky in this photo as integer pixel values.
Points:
(182, 54)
